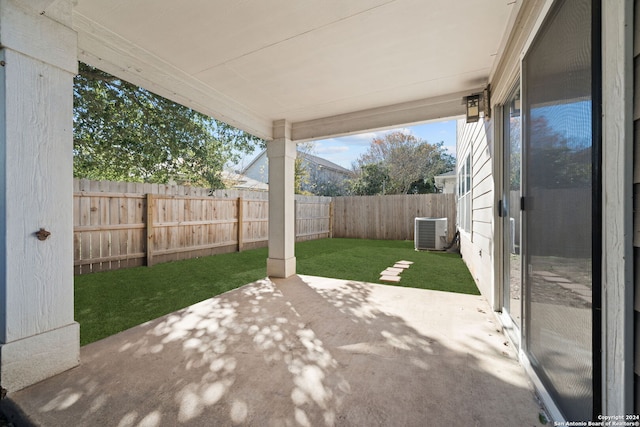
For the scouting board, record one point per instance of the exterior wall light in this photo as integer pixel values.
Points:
(473, 108)
(478, 103)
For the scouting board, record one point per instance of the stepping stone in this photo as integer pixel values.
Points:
(576, 287)
(545, 273)
(390, 279)
(556, 279)
(405, 262)
(588, 294)
(402, 266)
(572, 286)
(389, 273)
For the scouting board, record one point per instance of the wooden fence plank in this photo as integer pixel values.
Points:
(150, 236)
(389, 217)
(240, 223)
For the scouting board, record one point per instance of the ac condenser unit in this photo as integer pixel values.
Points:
(430, 233)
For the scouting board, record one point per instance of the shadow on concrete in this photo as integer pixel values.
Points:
(304, 351)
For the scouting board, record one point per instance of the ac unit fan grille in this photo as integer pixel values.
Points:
(426, 234)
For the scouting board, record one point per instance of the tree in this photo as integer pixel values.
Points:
(371, 180)
(400, 163)
(560, 161)
(125, 133)
(301, 173)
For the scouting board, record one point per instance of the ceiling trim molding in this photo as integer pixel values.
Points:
(403, 114)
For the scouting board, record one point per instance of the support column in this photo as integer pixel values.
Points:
(282, 156)
(38, 50)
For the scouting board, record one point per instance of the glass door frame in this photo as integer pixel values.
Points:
(513, 329)
(596, 230)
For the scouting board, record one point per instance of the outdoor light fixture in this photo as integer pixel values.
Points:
(473, 108)
(478, 103)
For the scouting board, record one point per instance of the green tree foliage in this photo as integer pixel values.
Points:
(301, 172)
(311, 179)
(331, 187)
(300, 177)
(400, 163)
(125, 133)
(372, 179)
(561, 162)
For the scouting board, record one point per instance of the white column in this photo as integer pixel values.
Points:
(38, 336)
(282, 156)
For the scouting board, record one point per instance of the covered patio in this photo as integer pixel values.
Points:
(284, 71)
(304, 350)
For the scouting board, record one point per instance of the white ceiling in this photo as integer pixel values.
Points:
(326, 66)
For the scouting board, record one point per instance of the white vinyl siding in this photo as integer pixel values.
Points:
(474, 142)
(636, 197)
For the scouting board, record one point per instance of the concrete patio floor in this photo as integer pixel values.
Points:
(304, 351)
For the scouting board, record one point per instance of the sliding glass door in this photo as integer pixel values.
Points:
(510, 213)
(558, 184)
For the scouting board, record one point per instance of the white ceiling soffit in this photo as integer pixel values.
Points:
(327, 66)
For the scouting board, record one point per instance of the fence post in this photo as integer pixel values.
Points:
(240, 225)
(149, 219)
(331, 219)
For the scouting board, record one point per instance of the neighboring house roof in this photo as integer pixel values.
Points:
(324, 162)
(238, 181)
(309, 157)
(446, 174)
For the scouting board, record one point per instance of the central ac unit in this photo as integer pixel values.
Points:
(430, 233)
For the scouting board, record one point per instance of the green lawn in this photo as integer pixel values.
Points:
(110, 302)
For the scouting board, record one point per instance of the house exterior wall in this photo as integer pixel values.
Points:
(636, 197)
(475, 139)
(449, 186)
(446, 183)
(259, 169)
(322, 174)
(321, 178)
(617, 206)
(38, 335)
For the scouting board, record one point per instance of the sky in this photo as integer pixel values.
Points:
(345, 150)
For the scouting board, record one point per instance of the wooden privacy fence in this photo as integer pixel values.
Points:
(390, 217)
(120, 225)
(115, 230)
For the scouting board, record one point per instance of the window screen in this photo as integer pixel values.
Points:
(558, 206)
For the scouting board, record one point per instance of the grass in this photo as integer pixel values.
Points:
(110, 302)
(363, 260)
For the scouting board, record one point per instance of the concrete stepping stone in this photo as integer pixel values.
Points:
(575, 287)
(572, 286)
(588, 294)
(545, 273)
(402, 266)
(556, 279)
(392, 274)
(389, 273)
